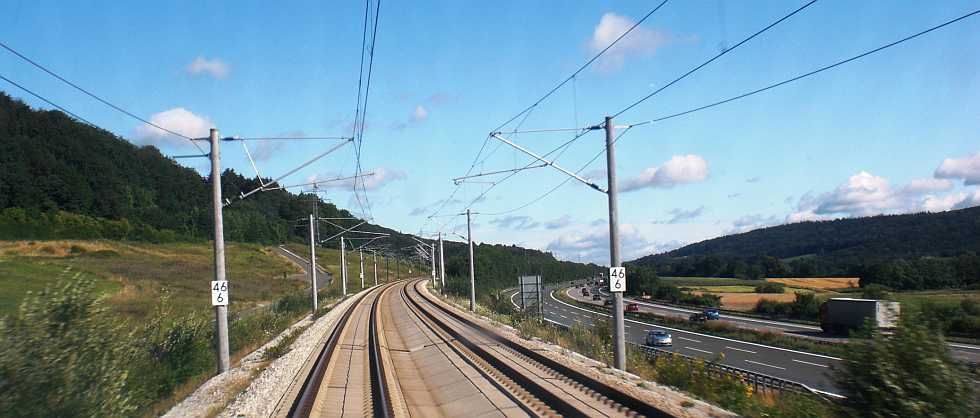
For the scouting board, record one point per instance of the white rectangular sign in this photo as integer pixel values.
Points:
(617, 279)
(219, 293)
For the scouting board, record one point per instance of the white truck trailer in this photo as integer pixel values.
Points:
(839, 315)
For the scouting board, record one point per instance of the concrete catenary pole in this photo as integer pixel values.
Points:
(469, 238)
(619, 331)
(375, 254)
(313, 262)
(360, 257)
(442, 266)
(432, 258)
(221, 311)
(343, 267)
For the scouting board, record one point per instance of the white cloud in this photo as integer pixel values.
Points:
(420, 114)
(865, 194)
(641, 41)
(515, 222)
(592, 244)
(178, 120)
(749, 222)
(382, 176)
(214, 67)
(680, 169)
(679, 215)
(558, 223)
(928, 185)
(966, 168)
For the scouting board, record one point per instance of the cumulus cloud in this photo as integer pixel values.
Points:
(420, 114)
(382, 177)
(178, 120)
(966, 168)
(213, 67)
(558, 223)
(865, 194)
(749, 222)
(593, 244)
(517, 222)
(640, 42)
(753, 179)
(678, 215)
(680, 169)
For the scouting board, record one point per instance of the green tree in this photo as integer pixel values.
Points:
(908, 374)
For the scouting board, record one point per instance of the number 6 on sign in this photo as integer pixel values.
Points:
(219, 293)
(617, 279)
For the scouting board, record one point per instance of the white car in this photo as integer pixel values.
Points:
(659, 338)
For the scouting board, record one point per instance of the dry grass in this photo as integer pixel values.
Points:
(747, 301)
(821, 283)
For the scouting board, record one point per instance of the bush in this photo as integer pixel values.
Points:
(770, 287)
(875, 291)
(805, 306)
(908, 374)
(60, 355)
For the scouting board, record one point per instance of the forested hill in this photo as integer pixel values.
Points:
(60, 178)
(922, 250)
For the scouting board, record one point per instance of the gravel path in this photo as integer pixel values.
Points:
(263, 392)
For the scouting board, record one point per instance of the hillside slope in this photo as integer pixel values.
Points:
(923, 250)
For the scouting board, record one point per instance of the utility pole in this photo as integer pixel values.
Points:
(442, 267)
(313, 262)
(469, 238)
(220, 311)
(360, 256)
(387, 261)
(398, 272)
(619, 331)
(343, 266)
(375, 253)
(432, 258)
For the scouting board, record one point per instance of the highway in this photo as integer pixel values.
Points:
(812, 370)
(323, 277)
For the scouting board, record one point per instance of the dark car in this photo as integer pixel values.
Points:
(632, 307)
(596, 297)
(608, 302)
(698, 317)
(585, 292)
(711, 314)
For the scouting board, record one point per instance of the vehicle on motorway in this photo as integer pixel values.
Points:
(698, 317)
(711, 314)
(632, 307)
(596, 297)
(658, 338)
(585, 291)
(608, 302)
(840, 315)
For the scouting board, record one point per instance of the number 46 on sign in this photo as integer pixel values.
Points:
(219, 293)
(617, 279)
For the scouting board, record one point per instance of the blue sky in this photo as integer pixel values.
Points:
(895, 132)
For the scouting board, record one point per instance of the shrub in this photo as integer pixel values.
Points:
(770, 287)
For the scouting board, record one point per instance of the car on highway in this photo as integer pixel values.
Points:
(698, 317)
(711, 314)
(596, 297)
(632, 307)
(608, 302)
(658, 338)
(585, 292)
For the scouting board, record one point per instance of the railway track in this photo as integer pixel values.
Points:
(399, 352)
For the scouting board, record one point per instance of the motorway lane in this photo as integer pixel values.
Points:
(810, 369)
(323, 277)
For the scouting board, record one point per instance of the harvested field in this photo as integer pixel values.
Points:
(747, 301)
(819, 283)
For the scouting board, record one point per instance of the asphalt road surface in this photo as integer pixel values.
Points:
(323, 278)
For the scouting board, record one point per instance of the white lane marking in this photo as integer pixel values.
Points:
(764, 364)
(812, 364)
(552, 295)
(968, 347)
(563, 316)
(697, 349)
(739, 349)
(688, 339)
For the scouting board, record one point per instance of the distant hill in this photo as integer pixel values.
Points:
(922, 250)
(60, 178)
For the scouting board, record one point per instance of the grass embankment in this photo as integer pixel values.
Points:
(329, 259)
(136, 314)
(692, 378)
(722, 329)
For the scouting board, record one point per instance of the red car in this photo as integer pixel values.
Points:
(632, 307)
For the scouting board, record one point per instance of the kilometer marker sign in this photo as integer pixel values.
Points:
(219, 293)
(617, 279)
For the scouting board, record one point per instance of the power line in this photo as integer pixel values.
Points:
(817, 71)
(68, 112)
(92, 95)
(367, 91)
(584, 66)
(719, 55)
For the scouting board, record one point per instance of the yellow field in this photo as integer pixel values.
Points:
(822, 283)
(747, 301)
